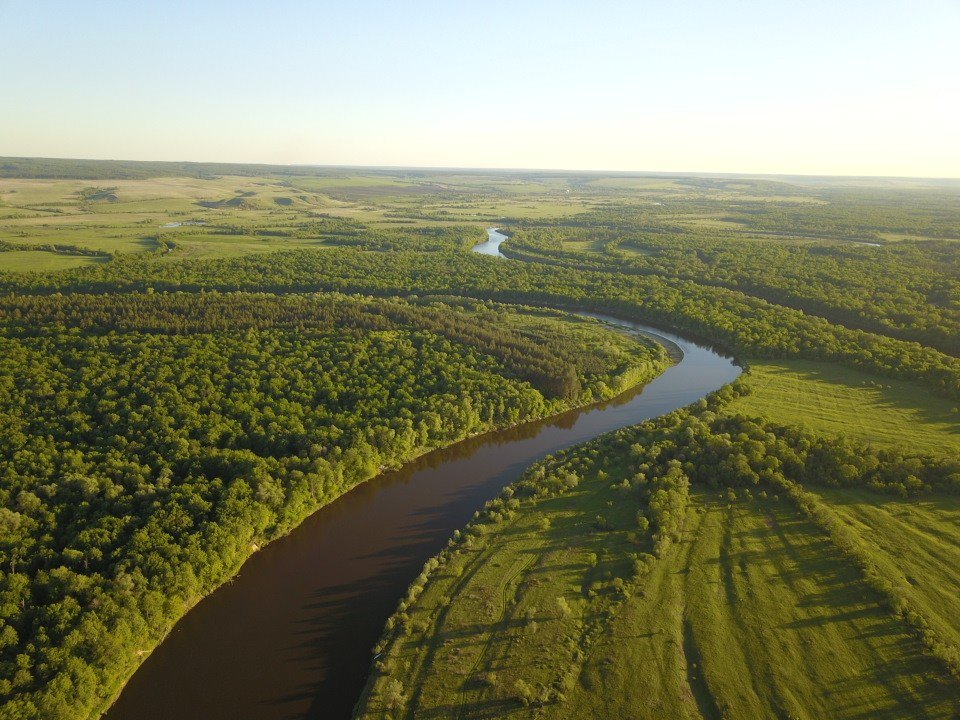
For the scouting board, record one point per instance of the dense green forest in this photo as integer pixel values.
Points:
(907, 289)
(745, 324)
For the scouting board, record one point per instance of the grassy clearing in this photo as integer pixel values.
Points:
(916, 545)
(40, 261)
(833, 399)
(753, 613)
(192, 246)
(586, 246)
(125, 216)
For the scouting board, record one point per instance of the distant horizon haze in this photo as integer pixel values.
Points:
(479, 169)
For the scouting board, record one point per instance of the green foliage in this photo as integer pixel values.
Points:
(563, 360)
(907, 290)
(744, 324)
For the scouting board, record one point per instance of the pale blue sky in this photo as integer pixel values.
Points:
(840, 87)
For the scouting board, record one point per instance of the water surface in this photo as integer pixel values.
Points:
(492, 244)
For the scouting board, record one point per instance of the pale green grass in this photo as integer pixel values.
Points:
(754, 615)
(584, 246)
(631, 248)
(190, 247)
(39, 261)
(832, 399)
(917, 545)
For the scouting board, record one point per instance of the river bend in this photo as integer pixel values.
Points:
(290, 636)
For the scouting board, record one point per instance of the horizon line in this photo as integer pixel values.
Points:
(452, 168)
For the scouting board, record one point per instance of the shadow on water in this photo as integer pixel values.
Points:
(290, 637)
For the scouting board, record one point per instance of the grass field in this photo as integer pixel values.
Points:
(833, 399)
(237, 215)
(126, 216)
(38, 260)
(752, 614)
(916, 544)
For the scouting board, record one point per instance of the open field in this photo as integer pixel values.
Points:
(751, 613)
(833, 399)
(252, 209)
(916, 543)
(755, 614)
(40, 261)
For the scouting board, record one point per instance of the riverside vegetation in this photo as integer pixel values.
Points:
(701, 565)
(195, 357)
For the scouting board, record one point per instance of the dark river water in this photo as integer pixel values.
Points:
(290, 637)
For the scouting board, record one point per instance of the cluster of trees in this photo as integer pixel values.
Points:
(8, 246)
(791, 209)
(746, 325)
(721, 451)
(907, 290)
(854, 214)
(149, 443)
(562, 361)
(654, 466)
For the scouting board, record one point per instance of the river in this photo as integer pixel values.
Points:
(290, 636)
(492, 245)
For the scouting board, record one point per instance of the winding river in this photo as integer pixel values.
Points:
(290, 637)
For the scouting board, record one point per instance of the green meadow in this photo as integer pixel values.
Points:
(915, 542)
(833, 399)
(558, 607)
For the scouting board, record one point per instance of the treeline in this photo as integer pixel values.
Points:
(746, 325)
(907, 290)
(853, 213)
(64, 168)
(61, 249)
(559, 361)
(814, 210)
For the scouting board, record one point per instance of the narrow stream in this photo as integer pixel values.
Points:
(290, 637)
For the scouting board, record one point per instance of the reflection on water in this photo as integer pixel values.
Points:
(492, 245)
(290, 637)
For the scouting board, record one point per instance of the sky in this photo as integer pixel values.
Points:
(838, 88)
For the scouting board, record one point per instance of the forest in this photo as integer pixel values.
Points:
(907, 290)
